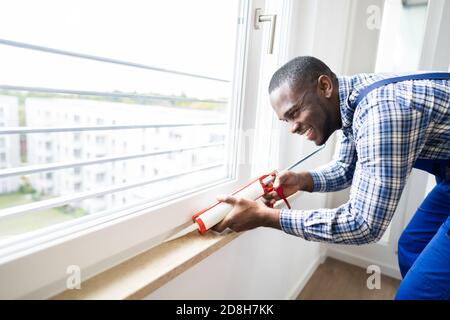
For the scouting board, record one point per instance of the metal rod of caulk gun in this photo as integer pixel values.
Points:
(305, 158)
(271, 178)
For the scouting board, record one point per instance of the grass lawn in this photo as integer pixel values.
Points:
(14, 199)
(31, 221)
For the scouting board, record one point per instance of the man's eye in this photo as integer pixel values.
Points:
(294, 113)
(298, 111)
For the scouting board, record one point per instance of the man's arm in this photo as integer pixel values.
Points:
(334, 176)
(337, 174)
(388, 142)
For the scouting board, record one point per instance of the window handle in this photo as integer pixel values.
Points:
(272, 18)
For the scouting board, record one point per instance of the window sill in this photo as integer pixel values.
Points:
(141, 275)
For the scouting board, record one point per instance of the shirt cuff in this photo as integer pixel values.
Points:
(291, 222)
(319, 181)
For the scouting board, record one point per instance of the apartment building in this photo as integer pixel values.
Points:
(9, 144)
(60, 147)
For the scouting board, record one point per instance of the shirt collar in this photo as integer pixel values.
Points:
(345, 89)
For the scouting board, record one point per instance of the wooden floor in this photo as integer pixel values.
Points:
(339, 280)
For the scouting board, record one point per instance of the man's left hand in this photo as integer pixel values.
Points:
(247, 214)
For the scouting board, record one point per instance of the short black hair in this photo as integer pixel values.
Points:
(303, 69)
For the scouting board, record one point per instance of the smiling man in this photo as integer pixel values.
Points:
(387, 124)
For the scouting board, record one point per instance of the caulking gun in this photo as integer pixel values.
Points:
(212, 215)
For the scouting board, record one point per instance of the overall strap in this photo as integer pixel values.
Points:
(438, 167)
(420, 76)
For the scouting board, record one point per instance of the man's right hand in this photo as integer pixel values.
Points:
(291, 183)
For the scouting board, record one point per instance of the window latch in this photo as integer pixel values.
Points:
(272, 18)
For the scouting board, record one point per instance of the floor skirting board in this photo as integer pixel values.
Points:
(388, 270)
(307, 275)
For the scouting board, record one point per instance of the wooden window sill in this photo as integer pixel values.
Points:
(139, 276)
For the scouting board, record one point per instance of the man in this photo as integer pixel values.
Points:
(385, 129)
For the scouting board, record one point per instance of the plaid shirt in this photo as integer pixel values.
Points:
(378, 144)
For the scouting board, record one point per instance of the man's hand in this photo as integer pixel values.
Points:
(291, 183)
(247, 214)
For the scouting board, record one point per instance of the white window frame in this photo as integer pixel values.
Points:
(28, 270)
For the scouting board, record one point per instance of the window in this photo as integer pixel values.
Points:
(194, 159)
(135, 85)
(100, 140)
(77, 186)
(77, 136)
(77, 153)
(401, 36)
(100, 177)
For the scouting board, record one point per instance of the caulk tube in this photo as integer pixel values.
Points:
(216, 213)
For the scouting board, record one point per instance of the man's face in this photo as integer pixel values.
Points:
(306, 111)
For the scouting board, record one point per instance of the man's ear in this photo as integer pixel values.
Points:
(325, 85)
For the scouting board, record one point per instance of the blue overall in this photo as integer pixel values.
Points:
(424, 246)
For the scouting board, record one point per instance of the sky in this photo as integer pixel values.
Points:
(195, 36)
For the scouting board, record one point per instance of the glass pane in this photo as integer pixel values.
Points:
(179, 35)
(21, 67)
(193, 36)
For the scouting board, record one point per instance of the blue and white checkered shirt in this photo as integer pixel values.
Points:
(378, 144)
